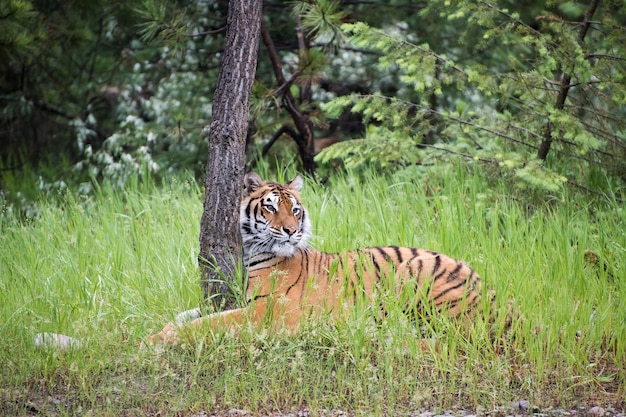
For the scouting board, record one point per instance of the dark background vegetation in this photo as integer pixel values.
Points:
(533, 91)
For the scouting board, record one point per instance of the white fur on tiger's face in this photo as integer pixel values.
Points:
(272, 219)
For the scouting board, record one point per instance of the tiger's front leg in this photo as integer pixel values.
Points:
(171, 333)
(168, 336)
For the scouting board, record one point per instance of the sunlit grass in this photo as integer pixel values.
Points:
(113, 268)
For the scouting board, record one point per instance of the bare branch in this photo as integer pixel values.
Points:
(304, 137)
(283, 129)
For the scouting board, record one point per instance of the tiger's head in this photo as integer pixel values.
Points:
(272, 218)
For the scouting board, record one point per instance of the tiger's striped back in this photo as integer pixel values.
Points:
(313, 278)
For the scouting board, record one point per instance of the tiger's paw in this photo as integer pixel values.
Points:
(168, 336)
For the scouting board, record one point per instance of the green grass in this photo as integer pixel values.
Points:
(114, 268)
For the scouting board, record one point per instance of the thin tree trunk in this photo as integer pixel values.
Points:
(220, 239)
(305, 138)
(565, 82)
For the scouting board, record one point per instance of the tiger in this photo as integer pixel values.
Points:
(289, 281)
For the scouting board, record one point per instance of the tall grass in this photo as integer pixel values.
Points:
(113, 268)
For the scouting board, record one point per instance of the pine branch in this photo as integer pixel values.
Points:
(208, 32)
(465, 155)
(594, 192)
(54, 110)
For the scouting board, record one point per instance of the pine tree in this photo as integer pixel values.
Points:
(546, 102)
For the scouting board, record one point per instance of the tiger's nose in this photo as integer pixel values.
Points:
(290, 230)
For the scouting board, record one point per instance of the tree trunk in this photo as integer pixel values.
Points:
(565, 82)
(220, 240)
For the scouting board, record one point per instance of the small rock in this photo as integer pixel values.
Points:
(596, 411)
(56, 341)
(519, 406)
(238, 412)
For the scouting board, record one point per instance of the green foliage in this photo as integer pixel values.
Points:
(381, 149)
(120, 86)
(320, 18)
(375, 109)
(117, 88)
(534, 174)
(509, 102)
(164, 23)
(418, 64)
(19, 31)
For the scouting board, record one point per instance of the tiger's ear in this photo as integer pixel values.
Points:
(295, 183)
(252, 182)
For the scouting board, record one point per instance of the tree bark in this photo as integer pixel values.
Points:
(220, 239)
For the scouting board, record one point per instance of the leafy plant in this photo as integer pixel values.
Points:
(549, 96)
(381, 148)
